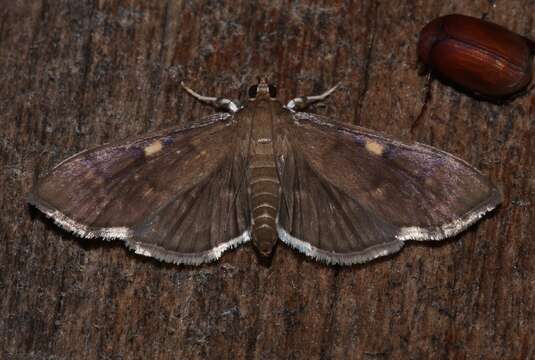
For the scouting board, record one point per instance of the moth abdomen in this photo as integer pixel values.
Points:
(264, 187)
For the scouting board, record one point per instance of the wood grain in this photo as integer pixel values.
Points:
(76, 74)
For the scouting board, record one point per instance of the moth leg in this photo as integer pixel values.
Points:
(217, 102)
(302, 102)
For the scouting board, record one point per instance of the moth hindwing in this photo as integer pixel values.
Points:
(338, 193)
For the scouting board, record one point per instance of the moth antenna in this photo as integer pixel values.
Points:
(302, 102)
(217, 102)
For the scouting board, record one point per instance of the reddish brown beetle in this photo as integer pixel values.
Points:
(481, 57)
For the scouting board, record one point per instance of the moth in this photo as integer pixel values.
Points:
(338, 193)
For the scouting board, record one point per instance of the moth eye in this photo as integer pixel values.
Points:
(272, 91)
(252, 91)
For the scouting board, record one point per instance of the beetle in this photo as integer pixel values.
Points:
(483, 58)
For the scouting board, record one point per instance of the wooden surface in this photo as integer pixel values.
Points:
(75, 74)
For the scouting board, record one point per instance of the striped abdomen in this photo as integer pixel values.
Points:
(264, 189)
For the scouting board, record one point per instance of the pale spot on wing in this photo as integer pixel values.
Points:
(375, 148)
(153, 148)
(148, 191)
(92, 177)
(201, 154)
(378, 193)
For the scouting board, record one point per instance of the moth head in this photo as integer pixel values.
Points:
(262, 90)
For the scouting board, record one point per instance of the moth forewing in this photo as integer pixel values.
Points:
(156, 192)
(354, 195)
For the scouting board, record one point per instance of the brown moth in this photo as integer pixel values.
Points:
(336, 192)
